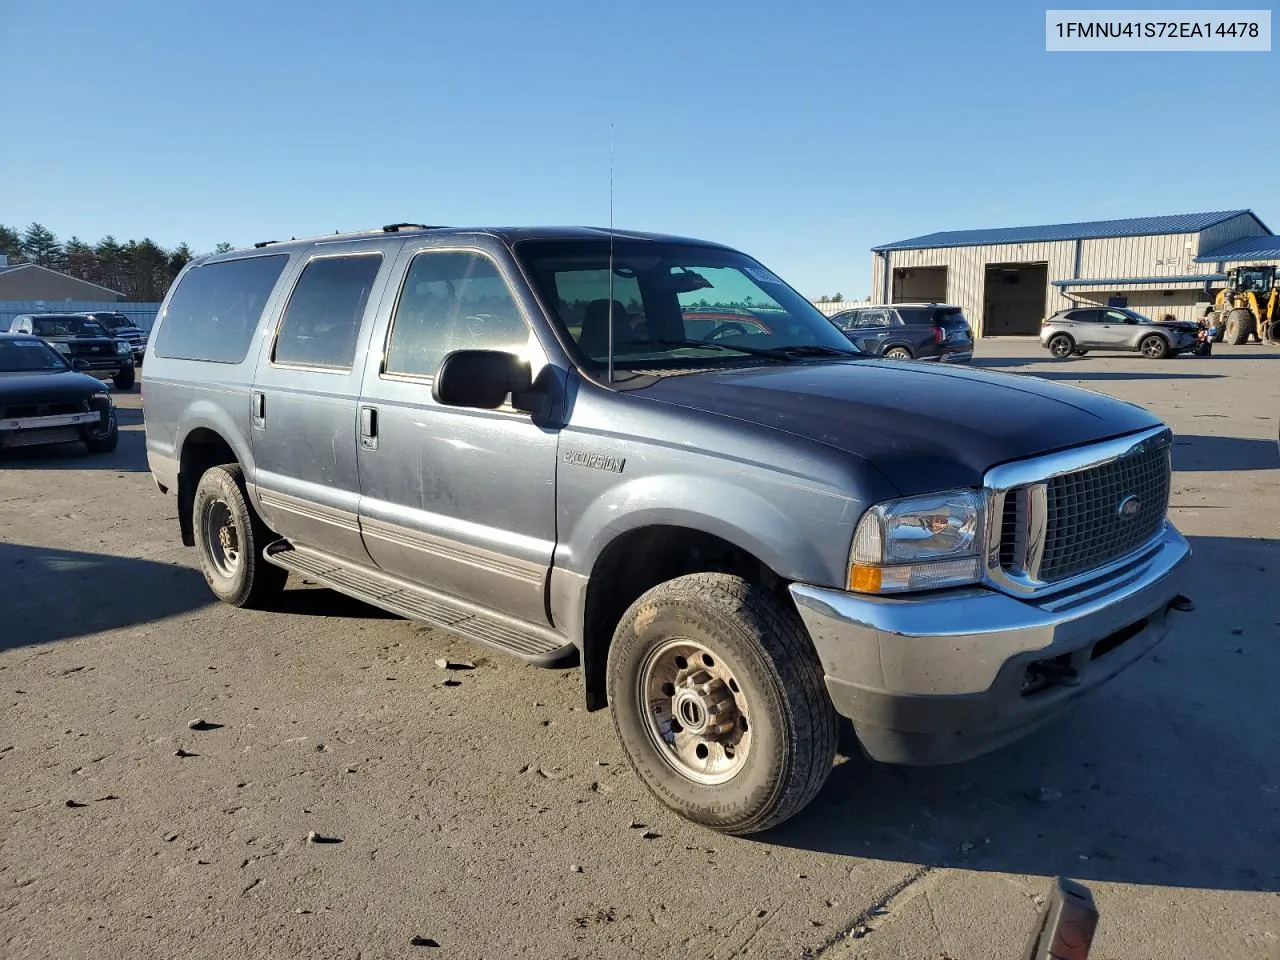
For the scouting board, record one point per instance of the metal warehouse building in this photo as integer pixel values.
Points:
(1008, 279)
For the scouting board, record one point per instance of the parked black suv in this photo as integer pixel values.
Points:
(123, 328)
(83, 341)
(910, 331)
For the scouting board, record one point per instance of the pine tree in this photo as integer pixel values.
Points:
(40, 246)
(11, 244)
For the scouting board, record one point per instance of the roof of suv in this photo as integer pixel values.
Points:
(895, 306)
(508, 235)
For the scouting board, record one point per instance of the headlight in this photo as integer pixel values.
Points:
(122, 346)
(61, 347)
(919, 543)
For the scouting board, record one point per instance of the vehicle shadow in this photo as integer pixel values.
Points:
(129, 456)
(1167, 776)
(1195, 452)
(317, 601)
(1075, 373)
(51, 595)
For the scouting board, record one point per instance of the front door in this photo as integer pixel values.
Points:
(1116, 330)
(303, 402)
(459, 500)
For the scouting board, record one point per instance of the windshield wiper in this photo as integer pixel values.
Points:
(771, 352)
(818, 350)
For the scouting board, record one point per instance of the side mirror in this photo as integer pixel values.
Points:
(480, 378)
(79, 363)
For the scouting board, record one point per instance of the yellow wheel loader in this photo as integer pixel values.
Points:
(1249, 306)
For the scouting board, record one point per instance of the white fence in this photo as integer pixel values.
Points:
(831, 307)
(142, 314)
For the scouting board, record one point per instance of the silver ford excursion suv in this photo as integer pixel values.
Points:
(741, 531)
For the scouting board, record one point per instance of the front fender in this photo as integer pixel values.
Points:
(800, 533)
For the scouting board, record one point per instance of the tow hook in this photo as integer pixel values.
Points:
(1182, 603)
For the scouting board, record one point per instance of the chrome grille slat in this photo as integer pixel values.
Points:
(1058, 519)
(1085, 527)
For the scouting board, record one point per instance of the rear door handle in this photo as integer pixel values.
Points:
(369, 427)
(259, 408)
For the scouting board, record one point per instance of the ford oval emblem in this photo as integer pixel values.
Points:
(1129, 508)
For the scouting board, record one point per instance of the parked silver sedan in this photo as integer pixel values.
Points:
(1079, 330)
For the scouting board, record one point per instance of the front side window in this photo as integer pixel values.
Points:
(322, 322)
(452, 300)
(673, 305)
(216, 308)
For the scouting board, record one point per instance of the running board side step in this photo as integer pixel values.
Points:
(529, 642)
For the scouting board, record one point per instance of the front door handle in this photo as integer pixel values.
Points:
(369, 427)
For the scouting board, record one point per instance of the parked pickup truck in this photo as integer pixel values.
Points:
(739, 533)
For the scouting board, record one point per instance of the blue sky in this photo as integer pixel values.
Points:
(802, 132)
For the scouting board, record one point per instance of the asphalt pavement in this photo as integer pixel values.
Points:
(493, 817)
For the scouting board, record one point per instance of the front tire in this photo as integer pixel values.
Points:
(229, 538)
(1239, 327)
(718, 699)
(125, 378)
(106, 441)
(1154, 347)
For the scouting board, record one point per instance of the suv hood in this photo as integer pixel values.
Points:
(926, 428)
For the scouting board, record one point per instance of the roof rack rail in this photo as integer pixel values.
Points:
(264, 243)
(397, 227)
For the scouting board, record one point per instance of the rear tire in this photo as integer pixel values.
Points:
(1154, 347)
(1061, 346)
(1239, 327)
(718, 700)
(898, 353)
(125, 378)
(229, 537)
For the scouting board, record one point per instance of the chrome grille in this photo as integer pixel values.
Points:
(1087, 525)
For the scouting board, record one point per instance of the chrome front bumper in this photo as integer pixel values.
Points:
(57, 420)
(943, 677)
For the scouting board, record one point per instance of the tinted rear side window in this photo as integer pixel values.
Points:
(215, 310)
(322, 322)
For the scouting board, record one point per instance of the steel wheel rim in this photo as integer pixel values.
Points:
(222, 538)
(693, 711)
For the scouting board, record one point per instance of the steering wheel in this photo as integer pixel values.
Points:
(731, 329)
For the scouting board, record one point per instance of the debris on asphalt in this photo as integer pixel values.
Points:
(650, 835)
(75, 803)
(203, 725)
(417, 941)
(170, 837)
(575, 868)
(598, 787)
(446, 664)
(860, 931)
(301, 910)
(1044, 795)
(109, 796)
(761, 913)
(550, 774)
(637, 825)
(449, 683)
(183, 753)
(313, 837)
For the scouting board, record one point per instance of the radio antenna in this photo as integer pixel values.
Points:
(610, 348)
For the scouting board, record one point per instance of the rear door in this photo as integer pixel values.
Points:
(303, 402)
(871, 329)
(1083, 325)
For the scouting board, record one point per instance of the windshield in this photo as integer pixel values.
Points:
(674, 305)
(28, 356)
(114, 323)
(66, 327)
